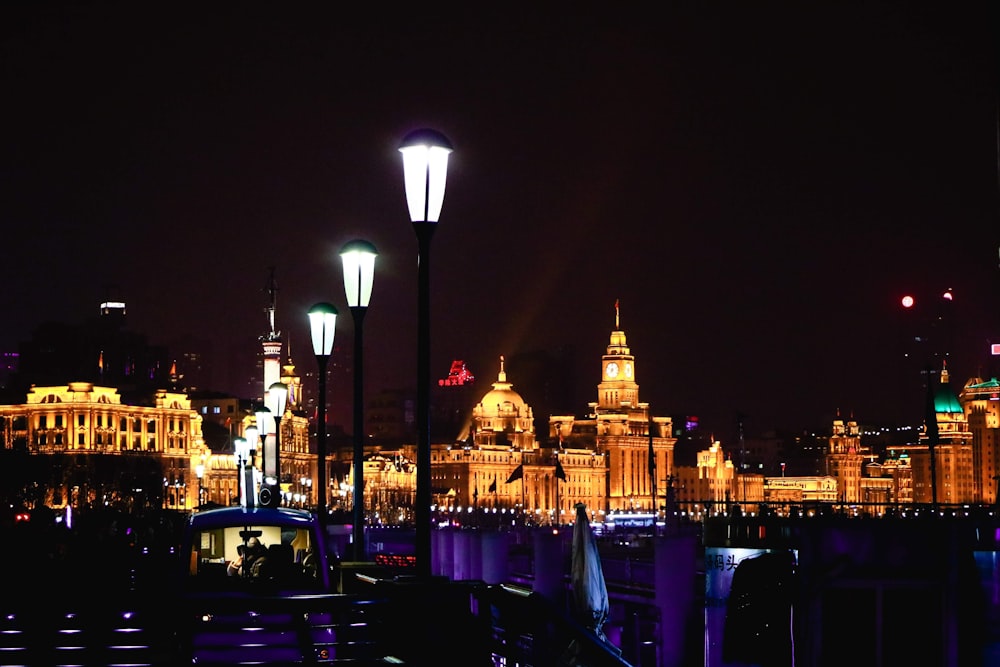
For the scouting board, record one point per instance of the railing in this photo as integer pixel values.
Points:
(91, 632)
(400, 621)
(326, 629)
(442, 622)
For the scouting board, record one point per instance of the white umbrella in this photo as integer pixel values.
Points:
(590, 592)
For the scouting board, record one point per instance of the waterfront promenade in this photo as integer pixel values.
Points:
(900, 588)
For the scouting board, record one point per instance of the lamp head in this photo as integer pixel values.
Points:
(359, 272)
(265, 423)
(277, 396)
(322, 325)
(425, 170)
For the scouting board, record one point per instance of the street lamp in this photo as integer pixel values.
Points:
(277, 395)
(425, 169)
(322, 325)
(199, 472)
(359, 274)
(268, 494)
(246, 448)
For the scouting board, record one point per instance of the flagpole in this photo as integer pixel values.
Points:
(557, 498)
(652, 470)
(524, 502)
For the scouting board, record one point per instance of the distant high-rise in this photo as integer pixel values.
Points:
(101, 350)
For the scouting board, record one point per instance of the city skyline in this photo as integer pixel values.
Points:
(758, 188)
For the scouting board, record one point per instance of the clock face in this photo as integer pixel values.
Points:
(612, 370)
(628, 370)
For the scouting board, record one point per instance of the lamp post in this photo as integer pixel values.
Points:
(268, 494)
(425, 169)
(305, 484)
(322, 325)
(277, 395)
(246, 449)
(359, 274)
(240, 454)
(199, 472)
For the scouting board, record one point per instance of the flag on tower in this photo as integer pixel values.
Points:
(517, 474)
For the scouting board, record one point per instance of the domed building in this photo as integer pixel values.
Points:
(942, 459)
(498, 469)
(502, 417)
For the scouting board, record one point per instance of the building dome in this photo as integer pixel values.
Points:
(945, 400)
(502, 400)
(502, 418)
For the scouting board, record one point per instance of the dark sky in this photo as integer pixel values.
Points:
(758, 185)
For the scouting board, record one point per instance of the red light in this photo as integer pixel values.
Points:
(907, 301)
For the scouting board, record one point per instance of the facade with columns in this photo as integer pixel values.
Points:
(947, 477)
(636, 448)
(130, 457)
(498, 465)
(980, 399)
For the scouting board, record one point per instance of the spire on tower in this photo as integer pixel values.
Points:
(617, 325)
(272, 291)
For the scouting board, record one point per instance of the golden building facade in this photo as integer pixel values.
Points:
(946, 474)
(845, 459)
(500, 467)
(980, 399)
(106, 446)
(636, 447)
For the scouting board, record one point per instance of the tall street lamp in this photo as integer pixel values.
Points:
(425, 170)
(269, 494)
(241, 452)
(359, 275)
(322, 322)
(248, 452)
(277, 395)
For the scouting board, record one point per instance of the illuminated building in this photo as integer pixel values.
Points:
(953, 462)
(709, 485)
(981, 402)
(897, 468)
(390, 487)
(295, 464)
(844, 459)
(107, 453)
(795, 490)
(298, 466)
(498, 464)
(636, 447)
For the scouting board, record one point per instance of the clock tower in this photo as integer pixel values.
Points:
(618, 387)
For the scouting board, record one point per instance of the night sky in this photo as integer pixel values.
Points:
(758, 186)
